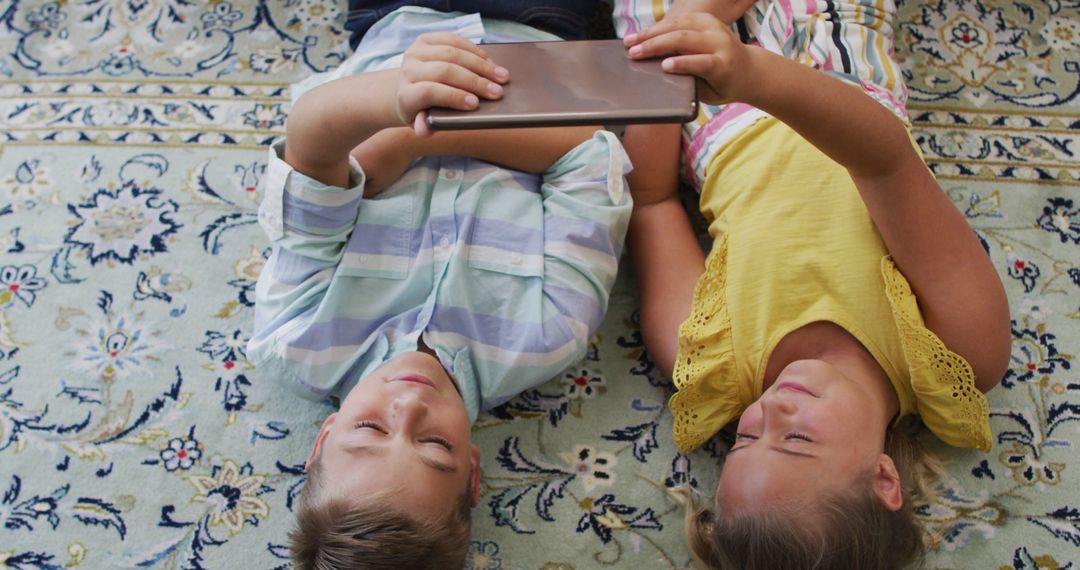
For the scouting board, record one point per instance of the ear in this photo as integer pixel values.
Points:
(474, 483)
(887, 485)
(323, 432)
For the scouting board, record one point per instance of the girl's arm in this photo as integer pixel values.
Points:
(727, 11)
(664, 251)
(960, 295)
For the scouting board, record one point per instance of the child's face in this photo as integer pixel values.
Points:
(810, 433)
(403, 430)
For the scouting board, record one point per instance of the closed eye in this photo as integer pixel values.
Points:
(744, 436)
(796, 435)
(367, 424)
(439, 441)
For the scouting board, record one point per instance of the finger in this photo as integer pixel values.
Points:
(703, 66)
(444, 46)
(420, 125)
(453, 75)
(700, 65)
(692, 21)
(680, 42)
(423, 95)
(449, 39)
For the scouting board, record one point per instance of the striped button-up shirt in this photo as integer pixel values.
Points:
(505, 274)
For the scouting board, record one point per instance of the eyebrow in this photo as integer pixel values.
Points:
(781, 450)
(378, 451)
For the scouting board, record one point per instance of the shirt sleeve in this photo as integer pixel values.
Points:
(309, 224)
(586, 212)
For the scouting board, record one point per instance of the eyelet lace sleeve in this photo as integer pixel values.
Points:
(943, 382)
(708, 396)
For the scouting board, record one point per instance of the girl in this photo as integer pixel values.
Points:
(843, 292)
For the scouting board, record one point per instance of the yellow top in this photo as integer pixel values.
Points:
(794, 244)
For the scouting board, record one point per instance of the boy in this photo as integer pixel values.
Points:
(419, 282)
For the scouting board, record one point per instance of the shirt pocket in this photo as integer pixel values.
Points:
(507, 236)
(382, 243)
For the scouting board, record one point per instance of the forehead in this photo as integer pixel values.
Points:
(413, 488)
(757, 477)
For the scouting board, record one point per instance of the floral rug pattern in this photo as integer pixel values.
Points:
(134, 432)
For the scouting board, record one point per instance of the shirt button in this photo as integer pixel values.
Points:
(450, 174)
(444, 242)
(361, 258)
(516, 259)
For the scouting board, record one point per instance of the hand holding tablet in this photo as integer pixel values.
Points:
(590, 82)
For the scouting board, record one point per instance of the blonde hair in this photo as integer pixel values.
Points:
(334, 532)
(850, 530)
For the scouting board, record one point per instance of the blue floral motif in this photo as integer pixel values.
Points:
(1062, 218)
(483, 555)
(229, 362)
(265, 116)
(22, 514)
(642, 435)
(221, 15)
(117, 345)
(232, 494)
(120, 225)
(19, 283)
(680, 473)
(605, 515)
(48, 16)
(1024, 271)
(1032, 353)
(181, 453)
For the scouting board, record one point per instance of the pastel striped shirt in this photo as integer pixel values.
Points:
(505, 274)
(848, 39)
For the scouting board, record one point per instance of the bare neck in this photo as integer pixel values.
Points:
(830, 343)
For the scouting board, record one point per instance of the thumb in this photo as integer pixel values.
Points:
(420, 125)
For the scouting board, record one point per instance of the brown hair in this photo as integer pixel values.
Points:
(849, 530)
(335, 532)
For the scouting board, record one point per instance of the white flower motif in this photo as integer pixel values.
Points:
(583, 385)
(231, 492)
(1062, 34)
(592, 468)
(181, 453)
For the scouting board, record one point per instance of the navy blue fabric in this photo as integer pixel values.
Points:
(568, 19)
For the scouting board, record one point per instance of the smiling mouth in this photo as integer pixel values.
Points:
(795, 388)
(415, 378)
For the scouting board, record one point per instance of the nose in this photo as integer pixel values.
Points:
(407, 407)
(777, 403)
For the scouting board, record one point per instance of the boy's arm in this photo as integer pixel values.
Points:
(665, 253)
(385, 156)
(960, 295)
(438, 69)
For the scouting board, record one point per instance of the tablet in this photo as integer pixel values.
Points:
(590, 82)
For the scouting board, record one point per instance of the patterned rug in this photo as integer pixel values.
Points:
(134, 432)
